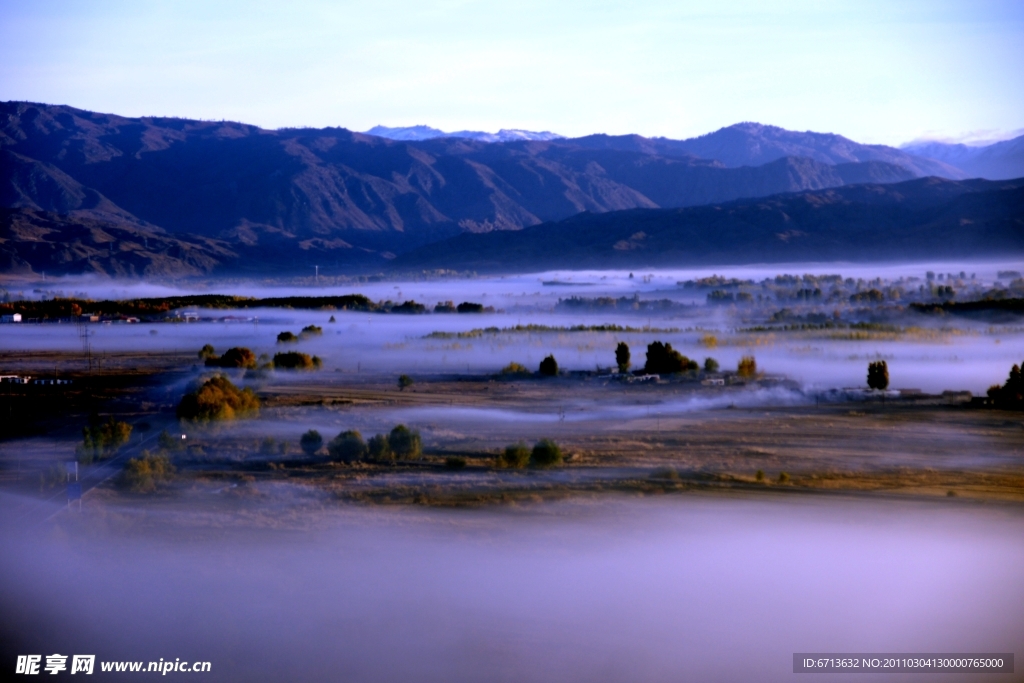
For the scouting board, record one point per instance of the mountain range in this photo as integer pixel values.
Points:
(428, 133)
(89, 192)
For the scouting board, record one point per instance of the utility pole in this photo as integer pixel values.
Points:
(317, 274)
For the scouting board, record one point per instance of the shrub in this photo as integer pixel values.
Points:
(515, 369)
(207, 352)
(454, 462)
(103, 439)
(546, 453)
(549, 367)
(269, 446)
(662, 359)
(404, 381)
(332, 320)
(310, 442)
(709, 340)
(286, 338)
(145, 474)
(747, 367)
(347, 446)
(405, 443)
(622, 357)
(170, 443)
(409, 307)
(469, 307)
(783, 478)
(294, 360)
(515, 456)
(237, 357)
(710, 365)
(759, 475)
(218, 399)
(444, 307)
(379, 449)
(878, 375)
(311, 331)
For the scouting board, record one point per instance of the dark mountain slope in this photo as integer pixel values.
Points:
(922, 218)
(352, 191)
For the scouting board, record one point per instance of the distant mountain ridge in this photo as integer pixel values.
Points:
(238, 198)
(415, 133)
(997, 161)
(917, 219)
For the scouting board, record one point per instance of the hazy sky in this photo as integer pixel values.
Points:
(881, 72)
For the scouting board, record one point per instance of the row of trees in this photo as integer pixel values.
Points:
(401, 443)
(242, 358)
(662, 359)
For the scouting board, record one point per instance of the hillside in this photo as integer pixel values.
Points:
(252, 199)
(998, 161)
(918, 219)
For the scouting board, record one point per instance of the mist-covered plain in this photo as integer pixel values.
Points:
(693, 529)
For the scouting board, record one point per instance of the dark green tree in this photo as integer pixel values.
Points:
(311, 441)
(515, 456)
(662, 359)
(379, 449)
(405, 443)
(878, 375)
(622, 357)
(347, 446)
(404, 381)
(710, 365)
(546, 453)
(549, 366)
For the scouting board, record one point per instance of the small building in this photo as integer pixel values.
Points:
(12, 318)
(14, 379)
(713, 382)
(50, 381)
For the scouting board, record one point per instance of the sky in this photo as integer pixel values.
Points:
(875, 71)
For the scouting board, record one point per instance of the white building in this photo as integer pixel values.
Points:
(13, 318)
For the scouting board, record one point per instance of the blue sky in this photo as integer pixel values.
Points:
(878, 72)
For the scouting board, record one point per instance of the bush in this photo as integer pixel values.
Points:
(444, 307)
(878, 375)
(379, 449)
(286, 338)
(515, 369)
(103, 439)
(710, 365)
(237, 357)
(170, 443)
(747, 367)
(454, 462)
(268, 446)
(549, 367)
(409, 307)
(347, 446)
(468, 307)
(783, 478)
(515, 456)
(294, 360)
(622, 357)
(404, 381)
(311, 331)
(218, 399)
(207, 352)
(332, 320)
(662, 359)
(310, 442)
(405, 443)
(546, 453)
(145, 474)
(759, 475)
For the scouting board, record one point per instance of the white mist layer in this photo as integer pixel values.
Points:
(687, 588)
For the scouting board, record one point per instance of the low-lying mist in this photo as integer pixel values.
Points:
(684, 588)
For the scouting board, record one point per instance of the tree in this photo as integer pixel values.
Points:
(549, 366)
(379, 449)
(404, 381)
(218, 399)
(294, 360)
(710, 365)
(515, 369)
(662, 359)
(310, 442)
(622, 357)
(470, 307)
(237, 357)
(347, 446)
(747, 367)
(143, 475)
(286, 338)
(516, 456)
(546, 453)
(878, 375)
(405, 443)
(207, 352)
(103, 439)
